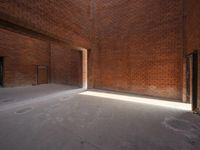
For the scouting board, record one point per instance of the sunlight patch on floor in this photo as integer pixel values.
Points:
(142, 100)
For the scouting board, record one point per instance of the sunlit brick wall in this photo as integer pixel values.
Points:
(138, 47)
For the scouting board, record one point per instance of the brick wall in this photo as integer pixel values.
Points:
(192, 31)
(192, 25)
(66, 65)
(138, 47)
(21, 55)
(67, 20)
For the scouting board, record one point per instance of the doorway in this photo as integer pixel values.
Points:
(1, 71)
(192, 78)
(42, 74)
(84, 67)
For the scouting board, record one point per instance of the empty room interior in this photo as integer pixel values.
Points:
(100, 75)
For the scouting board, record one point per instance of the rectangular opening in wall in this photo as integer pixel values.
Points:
(42, 74)
(1, 71)
(84, 68)
(192, 78)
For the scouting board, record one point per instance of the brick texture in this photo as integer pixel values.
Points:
(66, 65)
(138, 47)
(67, 20)
(22, 54)
(192, 32)
(192, 25)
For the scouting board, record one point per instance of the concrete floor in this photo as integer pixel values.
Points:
(63, 119)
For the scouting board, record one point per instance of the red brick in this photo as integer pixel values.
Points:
(139, 47)
(66, 65)
(22, 54)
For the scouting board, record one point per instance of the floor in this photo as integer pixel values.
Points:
(57, 117)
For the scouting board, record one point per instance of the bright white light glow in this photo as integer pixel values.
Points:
(150, 101)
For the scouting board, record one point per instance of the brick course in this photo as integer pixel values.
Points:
(136, 46)
(139, 47)
(192, 32)
(65, 65)
(67, 20)
(22, 54)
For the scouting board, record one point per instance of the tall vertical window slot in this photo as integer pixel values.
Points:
(1, 71)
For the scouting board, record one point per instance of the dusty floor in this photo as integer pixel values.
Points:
(55, 117)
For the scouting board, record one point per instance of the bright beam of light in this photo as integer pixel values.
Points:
(150, 101)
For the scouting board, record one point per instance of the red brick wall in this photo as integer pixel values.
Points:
(66, 65)
(67, 20)
(22, 54)
(192, 25)
(192, 31)
(138, 47)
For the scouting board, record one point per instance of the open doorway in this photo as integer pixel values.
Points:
(84, 53)
(192, 78)
(84, 68)
(1, 71)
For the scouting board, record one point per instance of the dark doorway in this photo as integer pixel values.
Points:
(1, 71)
(42, 74)
(192, 78)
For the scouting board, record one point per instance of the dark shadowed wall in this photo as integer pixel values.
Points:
(192, 25)
(21, 55)
(67, 20)
(66, 65)
(192, 31)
